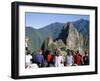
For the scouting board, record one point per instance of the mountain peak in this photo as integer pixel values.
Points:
(71, 27)
(72, 39)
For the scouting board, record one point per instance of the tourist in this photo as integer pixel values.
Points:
(78, 58)
(69, 58)
(28, 58)
(50, 59)
(86, 59)
(59, 61)
(39, 59)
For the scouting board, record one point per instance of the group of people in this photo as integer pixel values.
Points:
(57, 59)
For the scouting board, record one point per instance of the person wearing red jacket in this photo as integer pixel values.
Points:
(50, 59)
(78, 58)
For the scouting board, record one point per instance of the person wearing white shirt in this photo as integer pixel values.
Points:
(69, 58)
(59, 60)
(28, 62)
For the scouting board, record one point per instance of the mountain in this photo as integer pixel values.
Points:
(52, 30)
(37, 36)
(72, 39)
(34, 38)
(69, 38)
(71, 35)
(82, 26)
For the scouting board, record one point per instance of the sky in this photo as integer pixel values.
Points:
(39, 20)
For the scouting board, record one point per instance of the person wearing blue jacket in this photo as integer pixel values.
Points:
(39, 59)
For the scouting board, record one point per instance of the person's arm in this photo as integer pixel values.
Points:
(31, 58)
(62, 60)
(72, 59)
(55, 61)
(43, 60)
(82, 59)
(66, 60)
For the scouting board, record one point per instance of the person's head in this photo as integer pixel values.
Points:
(77, 52)
(40, 51)
(68, 51)
(49, 51)
(28, 52)
(72, 52)
(59, 53)
(86, 54)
